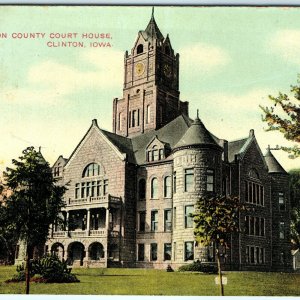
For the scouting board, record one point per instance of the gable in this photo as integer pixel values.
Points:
(94, 144)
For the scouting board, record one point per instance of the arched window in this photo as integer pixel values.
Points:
(140, 49)
(142, 189)
(154, 188)
(155, 153)
(167, 187)
(90, 170)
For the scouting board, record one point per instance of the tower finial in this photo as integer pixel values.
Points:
(197, 113)
(152, 15)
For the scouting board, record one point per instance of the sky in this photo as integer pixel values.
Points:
(231, 59)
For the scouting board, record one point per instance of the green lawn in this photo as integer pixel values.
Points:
(157, 282)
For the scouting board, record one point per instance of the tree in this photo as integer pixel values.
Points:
(34, 204)
(215, 219)
(284, 116)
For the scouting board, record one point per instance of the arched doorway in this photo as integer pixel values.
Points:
(58, 250)
(96, 251)
(76, 253)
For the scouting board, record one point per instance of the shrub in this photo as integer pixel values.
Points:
(198, 266)
(47, 269)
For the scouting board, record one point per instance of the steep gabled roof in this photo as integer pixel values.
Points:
(272, 163)
(197, 134)
(235, 147)
(122, 155)
(152, 31)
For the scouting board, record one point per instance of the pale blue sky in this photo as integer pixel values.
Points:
(231, 59)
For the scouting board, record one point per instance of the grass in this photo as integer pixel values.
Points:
(159, 282)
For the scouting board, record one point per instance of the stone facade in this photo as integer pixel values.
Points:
(131, 192)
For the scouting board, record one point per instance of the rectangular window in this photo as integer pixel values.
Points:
(168, 220)
(174, 182)
(175, 247)
(210, 180)
(257, 226)
(154, 220)
(153, 252)
(189, 180)
(262, 227)
(167, 187)
(138, 118)
(142, 221)
(99, 188)
(77, 190)
(189, 251)
(246, 192)
(120, 121)
(105, 187)
(247, 254)
(93, 189)
(82, 189)
(281, 201)
(129, 120)
(250, 192)
(281, 230)
(141, 252)
(251, 226)
(252, 255)
(174, 217)
(134, 118)
(247, 229)
(167, 251)
(148, 114)
(188, 210)
(88, 189)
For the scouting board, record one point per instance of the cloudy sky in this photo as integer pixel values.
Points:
(231, 59)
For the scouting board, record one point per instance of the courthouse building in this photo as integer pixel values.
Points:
(131, 191)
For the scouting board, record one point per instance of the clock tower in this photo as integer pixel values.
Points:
(151, 85)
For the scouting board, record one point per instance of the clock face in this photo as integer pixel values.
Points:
(167, 70)
(139, 69)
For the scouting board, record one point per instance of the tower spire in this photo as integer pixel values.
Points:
(152, 15)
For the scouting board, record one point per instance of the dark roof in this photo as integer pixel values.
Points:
(170, 133)
(197, 134)
(122, 143)
(152, 31)
(235, 147)
(272, 163)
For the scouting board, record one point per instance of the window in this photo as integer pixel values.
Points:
(141, 252)
(188, 210)
(91, 170)
(281, 201)
(93, 189)
(120, 121)
(254, 226)
(281, 230)
(142, 221)
(254, 193)
(189, 180)
(174, 182)
(155, 153)
(154, 220)
(189, 251)
(174, 216)
(99, 187)
(168, 220)
(154, 188)
(167, 187)
(77, 189)
(105, 187)
(139, 49)
(210, 180)
(255, 255)
(153, 252)
(135, 118)
(142, 189)
(175, 247)
(167, 251)
(148, 114)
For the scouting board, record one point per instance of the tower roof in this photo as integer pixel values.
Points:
(152, 31)
(197, 134)
(272, 163)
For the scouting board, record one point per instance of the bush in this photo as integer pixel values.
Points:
(197, 266)
(47, 269)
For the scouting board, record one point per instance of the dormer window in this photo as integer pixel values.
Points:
(139, 49)
(90, 170)
(155, 154)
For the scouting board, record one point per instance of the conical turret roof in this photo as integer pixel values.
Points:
(152, 31)
(196, 134)
(272, 163)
